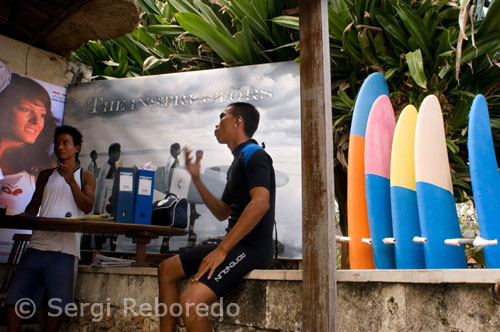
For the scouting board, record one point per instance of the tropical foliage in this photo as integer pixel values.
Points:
(178, 35)
(423, 47)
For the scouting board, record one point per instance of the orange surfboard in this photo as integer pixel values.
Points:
(360, 253)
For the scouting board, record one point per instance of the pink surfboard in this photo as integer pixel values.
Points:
(378, 146)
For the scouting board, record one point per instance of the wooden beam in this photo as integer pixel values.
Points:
(5, 11)
(24, 6)
(318, 209)
(59, 14)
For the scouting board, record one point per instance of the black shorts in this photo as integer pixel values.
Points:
(239, 261)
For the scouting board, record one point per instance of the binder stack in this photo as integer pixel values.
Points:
(143, 196)
(122, 199)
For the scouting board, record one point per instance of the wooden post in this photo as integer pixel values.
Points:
(318, 209)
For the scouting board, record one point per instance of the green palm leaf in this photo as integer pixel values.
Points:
(217, 39)
(287, 21)
(152, 62)
(349, 41)
(487, 45)
(243, 8)
(183, 6)
(415, 26)
(245, 44)
(491, 23)
(416, 66)
(337, 21)
(392, 27)
(149, 6)
(167, 30)
(208, 14)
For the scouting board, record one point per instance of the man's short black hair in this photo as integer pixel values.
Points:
(115, 147)
(250, 116)
(174, 147)
(72, 131)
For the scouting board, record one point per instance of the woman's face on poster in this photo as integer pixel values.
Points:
(28, 120)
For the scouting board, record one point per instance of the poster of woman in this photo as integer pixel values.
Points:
(30, 110)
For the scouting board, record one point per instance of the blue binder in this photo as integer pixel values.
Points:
(144, 197)
(122, 199)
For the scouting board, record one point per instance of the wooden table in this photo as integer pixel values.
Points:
(141, 234)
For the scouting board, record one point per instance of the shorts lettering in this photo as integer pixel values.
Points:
(231, 265)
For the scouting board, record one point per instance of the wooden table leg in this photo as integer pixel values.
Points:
(140, 253)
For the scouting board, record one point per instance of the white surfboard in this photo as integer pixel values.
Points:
(220, 172)
(182, 186)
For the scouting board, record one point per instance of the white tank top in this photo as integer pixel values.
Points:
(58, 202)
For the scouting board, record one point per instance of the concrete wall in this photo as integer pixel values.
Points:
(34, 62)
(263, 304)
(381, 301)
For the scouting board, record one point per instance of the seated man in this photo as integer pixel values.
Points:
(248, 201)
(48, 268)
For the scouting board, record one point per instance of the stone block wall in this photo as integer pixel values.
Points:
(256, 305)
(388, 307)
(367, 301)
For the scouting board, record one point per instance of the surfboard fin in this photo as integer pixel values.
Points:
(419, 239)
(389, 240)
(366, 240)
(478, 242)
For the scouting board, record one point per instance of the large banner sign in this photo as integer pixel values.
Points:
(30, 110)
(135, 121)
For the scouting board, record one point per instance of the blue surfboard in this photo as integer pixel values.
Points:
(436, 203)
(485, 178)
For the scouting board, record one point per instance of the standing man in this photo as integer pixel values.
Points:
(93, 164)
(104, 190)
(193, 214)
(172, 162)
(48, 268)
(105, 178)
(248, 201)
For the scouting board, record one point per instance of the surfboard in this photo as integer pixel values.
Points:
(485, 178)
(436, 203)
(220, 172)
(360, 254)
(182, 185)
(404, 209)
(378, 143)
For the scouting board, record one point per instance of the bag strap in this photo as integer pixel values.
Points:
(171, 194)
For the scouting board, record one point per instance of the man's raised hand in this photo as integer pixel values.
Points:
(193, 167)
